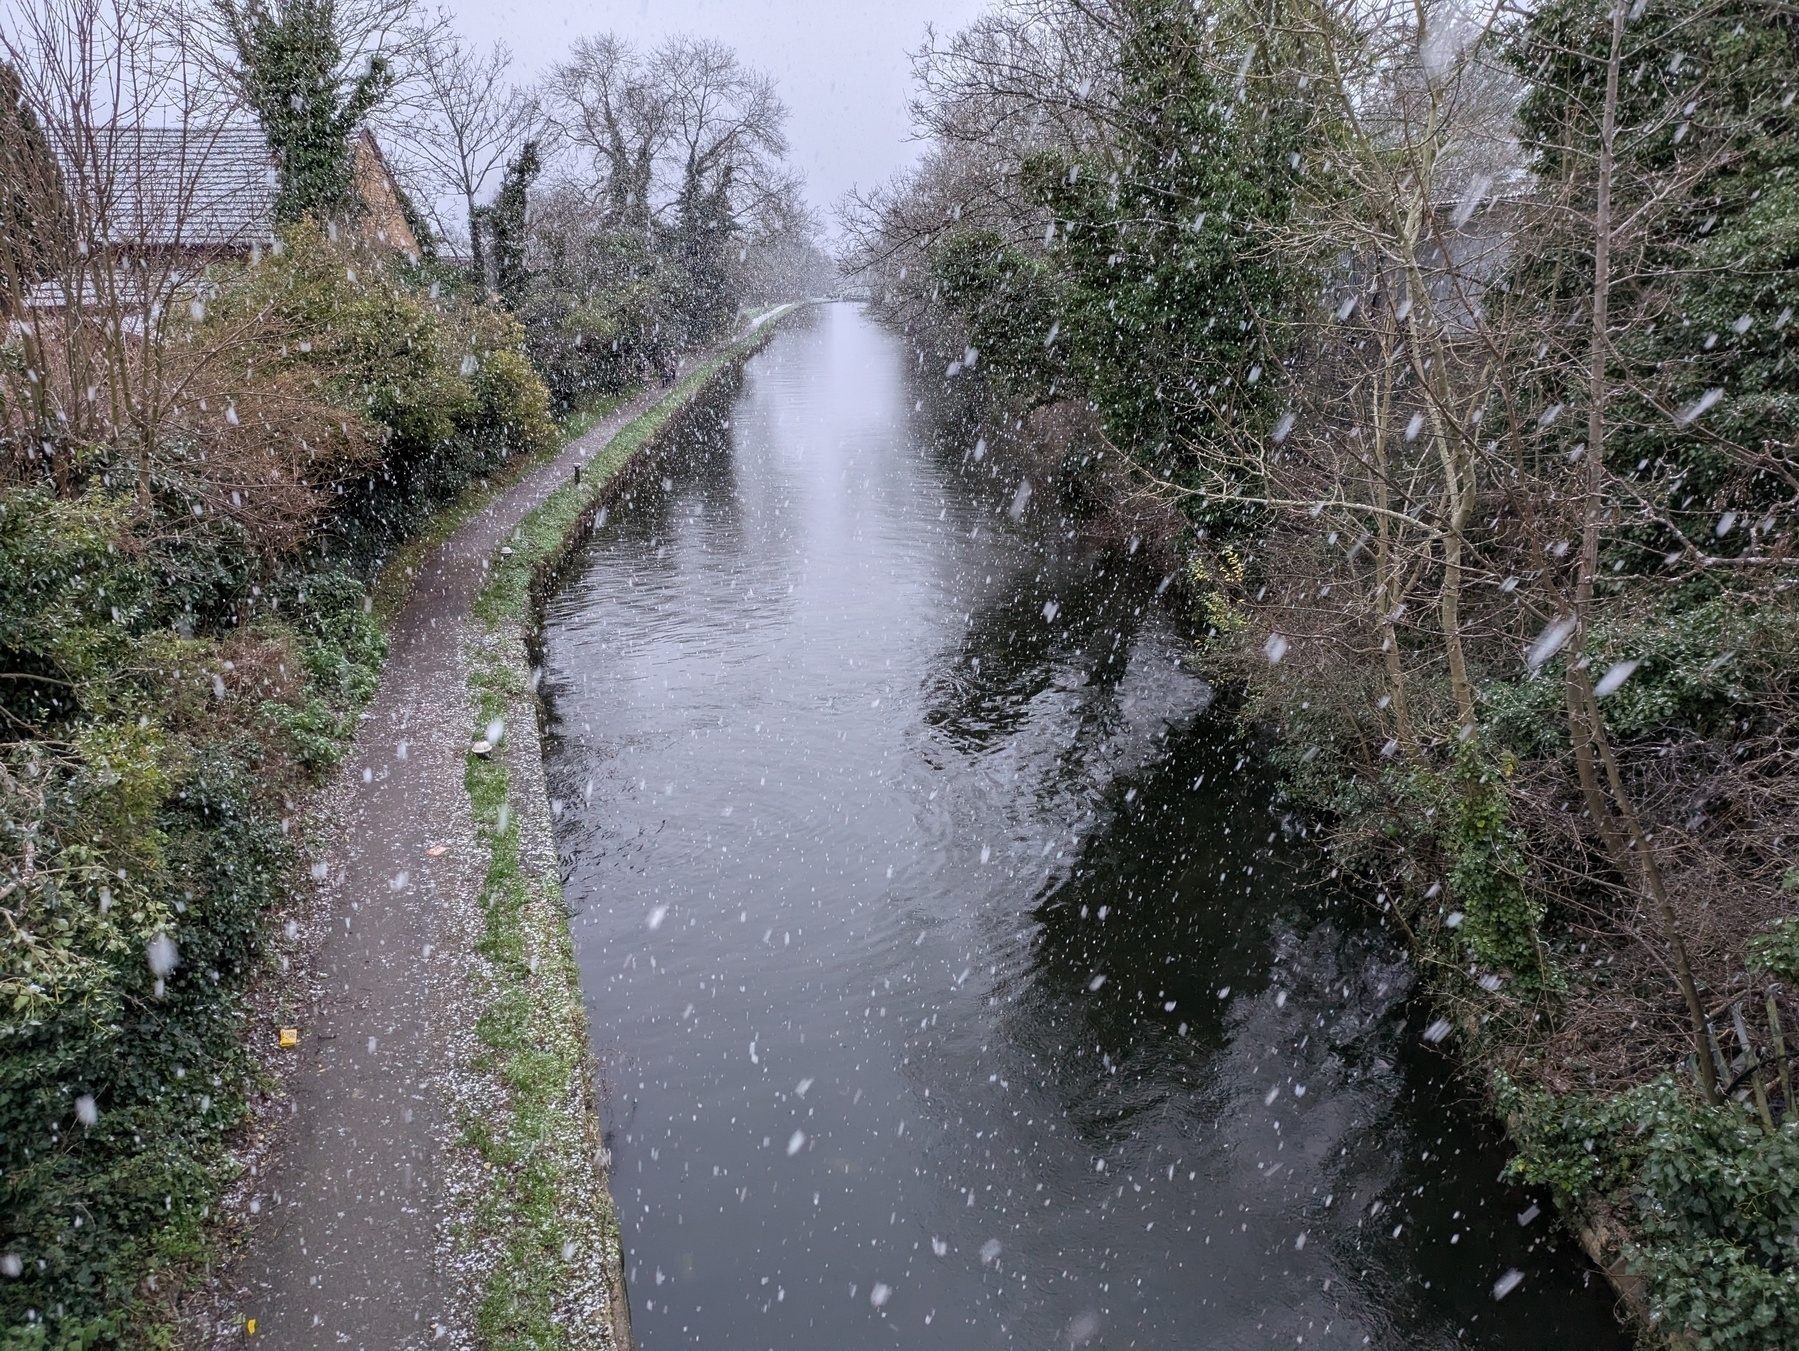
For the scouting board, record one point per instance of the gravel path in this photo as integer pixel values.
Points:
(348, 1240)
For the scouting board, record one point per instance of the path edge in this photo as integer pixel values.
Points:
(546, 995)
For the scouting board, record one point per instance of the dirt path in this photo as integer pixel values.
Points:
(350, 1245)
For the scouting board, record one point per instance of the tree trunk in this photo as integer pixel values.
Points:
(1586, 722)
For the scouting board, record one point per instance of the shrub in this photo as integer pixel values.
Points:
(437, 376)
(185, 646)
(70, 600)
(1716, 1196)
(1488, 869)
(1777, 951)
(1697, 667)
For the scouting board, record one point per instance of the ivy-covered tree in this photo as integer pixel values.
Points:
(1156, 295)
(702, 236)
(1174, 304)
(1015, 304)
(418, 223)
(290, 56)
(503, 225)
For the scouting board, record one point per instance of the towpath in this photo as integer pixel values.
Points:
(349, 1243)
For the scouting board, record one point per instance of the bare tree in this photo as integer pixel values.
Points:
(685, 123)
(460, 121)
(685, 149)
(138, 193)
(1027, 76)
(1023, 76)
(888, 232)
(727, 126)
(608, 101)
(125, 219)
(778, 254)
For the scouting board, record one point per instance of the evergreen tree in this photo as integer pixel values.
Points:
(1156, 296)
(289, 54)
(1174, 303)
(30, 193)
(702, 239)
(503, 223)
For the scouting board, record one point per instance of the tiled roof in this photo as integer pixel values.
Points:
(176, 187)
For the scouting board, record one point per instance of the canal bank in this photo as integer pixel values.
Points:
(393, 1189)
(542, 1208)
(963, 979)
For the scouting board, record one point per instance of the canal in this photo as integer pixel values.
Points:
(957, 976)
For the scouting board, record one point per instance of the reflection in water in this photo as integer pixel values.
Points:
(960, 977)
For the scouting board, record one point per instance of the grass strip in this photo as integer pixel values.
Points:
(393, 584)
(533, 1036)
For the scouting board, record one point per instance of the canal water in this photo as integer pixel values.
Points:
(958, 977)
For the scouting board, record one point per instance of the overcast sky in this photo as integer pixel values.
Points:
(841, 64)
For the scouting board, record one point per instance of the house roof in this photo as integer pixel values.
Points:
(175, 187)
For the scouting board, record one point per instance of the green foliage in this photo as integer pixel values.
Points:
(341, 647)
(121, 837)
(137, 826)
(69, 1335)
(314, 731)
(1745, 268)
(1716, 1196)
(375, 342)
(1777, 951)
(135, 815)
(134, 845)
(1709, 138)
(1457, 818)
(602, 314)
(70, 600)
(442, 378)
(1698, 667)
(1155, 297)
(289, 54)
(703, 234)
(418, 224)
(1012, 303)
(1488, 874)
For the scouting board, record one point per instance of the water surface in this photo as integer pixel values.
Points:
(959, 977)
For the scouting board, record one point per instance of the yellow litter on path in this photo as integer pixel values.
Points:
(290, 1038)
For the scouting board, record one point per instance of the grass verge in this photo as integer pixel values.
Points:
(533, 1039)
(394, 583)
